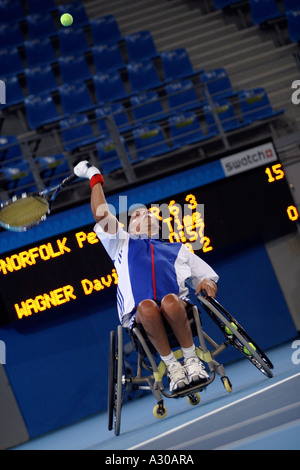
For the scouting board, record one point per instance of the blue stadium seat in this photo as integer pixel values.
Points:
(10, 61)
(9, 148)
(176, 64)
(72, 41)
(255, 105)
(218, 83)
(219, 4)
(263, 11)
(53, 168)
(181, 95)
(11, 11)
(76, 132)
(105, 29)
(109, 87)
(146, 106)
(108, 156)
(11, 35)
(74, 68)
(77, 10)
(226, 115)
(107, 57)
(185, 129)
(140, 45)
(293, 20)
(18, 178)
(40, 79)
(14, 92)
(143, 75)
(39, 51)
(291, 5)
(40, 110)
(75, 98)
(40, 24)
(149, 141)
(117, 111)
(36, 6)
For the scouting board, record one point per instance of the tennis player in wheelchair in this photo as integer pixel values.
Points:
(152, 276)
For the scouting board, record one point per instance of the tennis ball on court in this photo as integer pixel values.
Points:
(246, 351)
(228, 330)
(66, 19)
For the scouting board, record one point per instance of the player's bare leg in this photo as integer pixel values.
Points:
(173, 309)
(149, 315)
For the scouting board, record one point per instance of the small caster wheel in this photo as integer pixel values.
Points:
(227, 384)
(160, 411)
(193, 399)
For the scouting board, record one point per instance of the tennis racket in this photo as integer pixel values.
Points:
(28, 210)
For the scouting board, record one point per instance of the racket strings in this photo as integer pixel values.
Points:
(24, 211)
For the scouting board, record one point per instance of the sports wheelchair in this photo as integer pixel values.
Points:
(120, 377)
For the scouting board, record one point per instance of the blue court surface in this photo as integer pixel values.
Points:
(260, 413)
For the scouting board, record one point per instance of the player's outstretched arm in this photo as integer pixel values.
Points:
(99, 205)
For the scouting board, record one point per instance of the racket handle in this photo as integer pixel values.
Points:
(69, 180)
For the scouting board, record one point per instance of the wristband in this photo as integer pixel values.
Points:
(96, 179)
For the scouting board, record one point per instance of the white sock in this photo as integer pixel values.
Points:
(168, 359)
(189, 352)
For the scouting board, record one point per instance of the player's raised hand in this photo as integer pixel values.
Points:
(85, 169)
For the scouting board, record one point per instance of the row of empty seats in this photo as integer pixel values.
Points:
(263, 11)
(77, 131)
(144, 106)
(109, 87)
(16, 10)
(74, 40)
(39, 16)
(40, 49)
(110, 83)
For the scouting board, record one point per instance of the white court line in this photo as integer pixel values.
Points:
(234, 427)
(213, 412)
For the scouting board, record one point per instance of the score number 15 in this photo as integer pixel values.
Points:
(274, 173)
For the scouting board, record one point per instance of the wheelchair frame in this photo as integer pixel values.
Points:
(234, 334)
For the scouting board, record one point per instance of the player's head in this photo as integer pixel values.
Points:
(142, 222)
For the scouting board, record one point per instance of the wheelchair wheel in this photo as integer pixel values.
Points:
(116, 389)
(193, 399)
(237, 336)
(119, 384)
(160, 411)
(111, 379)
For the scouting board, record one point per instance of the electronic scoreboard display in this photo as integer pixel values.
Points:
(250, 198)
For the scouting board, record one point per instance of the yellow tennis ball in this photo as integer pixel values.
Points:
(66, 19)
(228, 330)
(246, 351)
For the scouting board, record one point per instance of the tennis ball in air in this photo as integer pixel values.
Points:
(246, 351)
(228, 330)
(66, 19)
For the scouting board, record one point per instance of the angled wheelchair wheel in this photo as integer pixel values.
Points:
(111, 379)
(237, 336)
(116, 384)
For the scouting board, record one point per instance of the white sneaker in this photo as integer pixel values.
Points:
(177, 376)
(195, 371)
